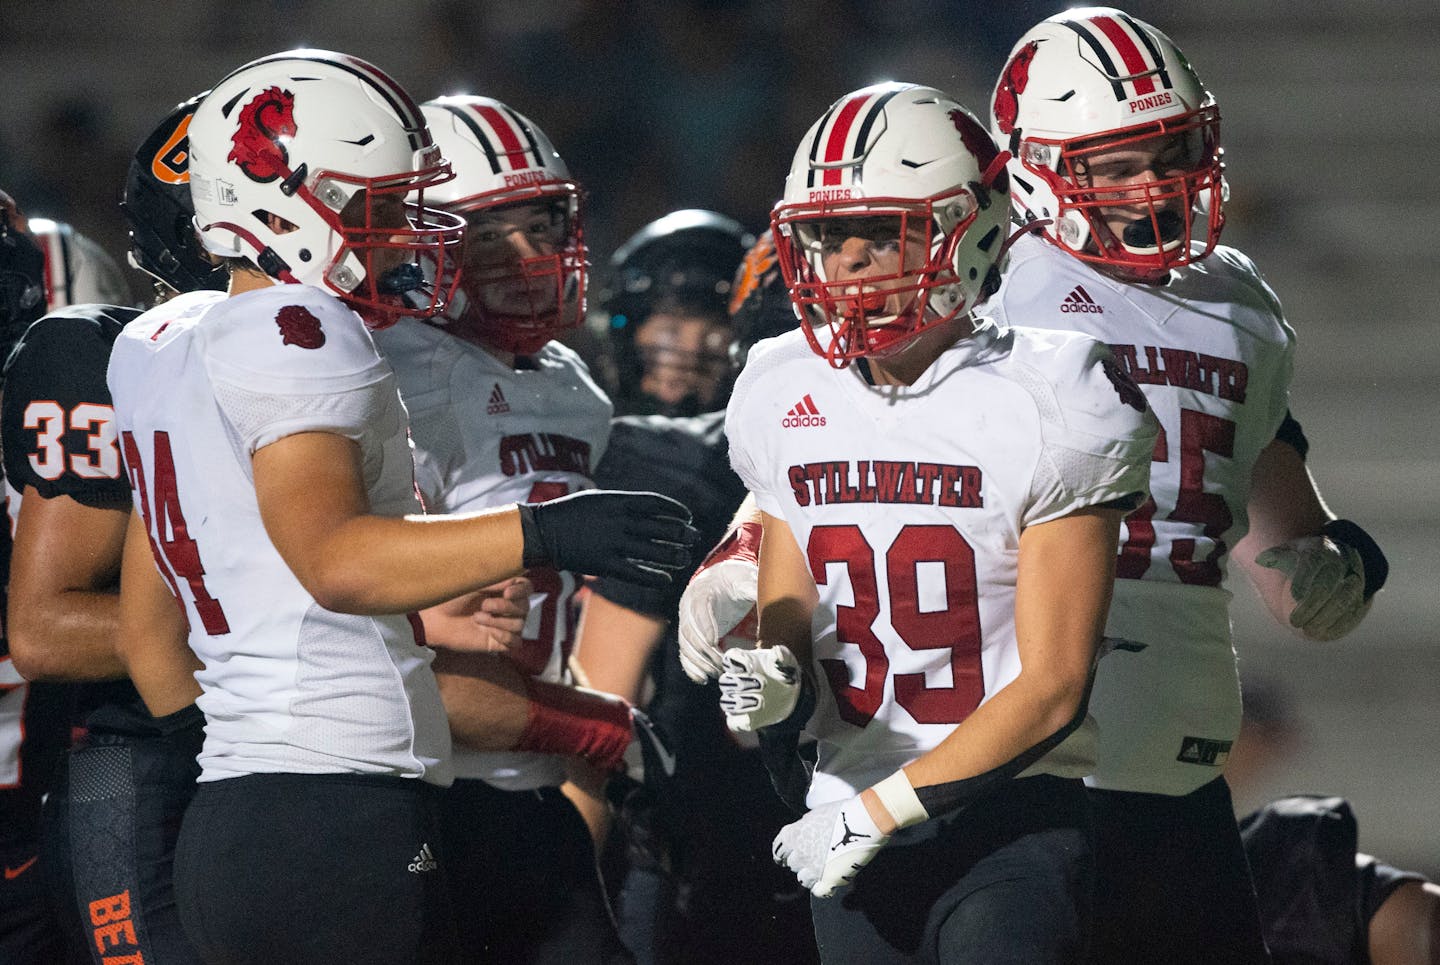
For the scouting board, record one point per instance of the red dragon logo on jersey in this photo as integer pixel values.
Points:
(299, 326)
(1012, 82)
(1125, 386)
(263, 122)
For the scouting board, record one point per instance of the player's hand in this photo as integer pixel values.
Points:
(489, 620)
(759, 688)
(829, 845)
(1327, 583)
(637, 537)
(717, 610)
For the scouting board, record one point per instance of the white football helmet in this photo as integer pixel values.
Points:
(501, 158)
(1093, 80)
(77, 270)
(279, 149)
(901, 155)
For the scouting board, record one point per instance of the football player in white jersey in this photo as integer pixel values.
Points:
(940, 499)
(500, 413)
(267, 450)
(1116, 163)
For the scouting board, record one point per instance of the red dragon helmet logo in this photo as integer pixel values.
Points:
(263, 122)
(299, 326)
(980, 144)
(1012, 83)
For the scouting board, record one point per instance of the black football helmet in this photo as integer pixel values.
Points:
(683, 264)
(760, 303)
(160, 213)
(22, 281)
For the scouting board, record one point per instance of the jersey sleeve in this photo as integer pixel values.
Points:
(1097, 434)
(1274, 378)
(742, 431)
(297, 360)
(56, 416)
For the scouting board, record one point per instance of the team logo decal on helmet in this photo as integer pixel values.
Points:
(258, 151)
(1012, 84)
(315, 166)
(171, 163)
(979, 143)
(299, 326)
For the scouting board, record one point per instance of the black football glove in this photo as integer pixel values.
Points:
(637, 537)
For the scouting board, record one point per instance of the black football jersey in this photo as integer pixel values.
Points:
(57, 429)
(1316, 893)
(56, 421)
(688, 459)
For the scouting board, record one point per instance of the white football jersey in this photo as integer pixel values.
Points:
(488, 435)
(909, 504)
(200, 384)
(1212, 352)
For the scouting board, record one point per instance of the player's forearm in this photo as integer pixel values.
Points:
(152, 639)
(1064, 580)
(66, 636)
(493, 706)
(1029, 712)
(613, 646)
(786, 596)
(377, 565)
(484, 697)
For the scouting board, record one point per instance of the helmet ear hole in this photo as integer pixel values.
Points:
(992, 282)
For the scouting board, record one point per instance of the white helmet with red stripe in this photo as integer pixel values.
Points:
(282, 146)
(502, 159)
(77, 270)
(1093, 80)
(912, 159)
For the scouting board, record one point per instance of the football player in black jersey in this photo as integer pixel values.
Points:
(665, 309)
(701, 886)
(34, 717)
(111, 821)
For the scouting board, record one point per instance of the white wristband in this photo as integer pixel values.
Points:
(900, 799)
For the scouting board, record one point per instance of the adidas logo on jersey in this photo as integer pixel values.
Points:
(1079, 300)
(1203, 750)
(803, 414)
(424, 861)
(497, 403)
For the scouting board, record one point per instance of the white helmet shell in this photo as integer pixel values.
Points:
(500, 157)
(1090, 78)
(886, 150)
(295, 136)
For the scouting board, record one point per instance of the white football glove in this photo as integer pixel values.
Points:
(717, 610)
(759, 687)
(829, 845)
(1327, 583)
